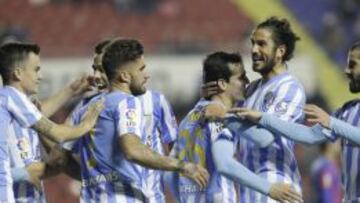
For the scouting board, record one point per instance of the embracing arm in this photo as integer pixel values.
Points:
(297, 132)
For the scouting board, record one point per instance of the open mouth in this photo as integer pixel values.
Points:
(257, 59)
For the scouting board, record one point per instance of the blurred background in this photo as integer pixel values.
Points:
(177, 35)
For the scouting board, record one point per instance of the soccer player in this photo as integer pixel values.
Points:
(342, 124)
(20, 71)
(160, 124)
(325, 175)
(27, 154)
(277, 93)
(109, 165)
(196, 139)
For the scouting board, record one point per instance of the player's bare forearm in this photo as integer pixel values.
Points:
(58, 133)
(139, 153)
(54, 103)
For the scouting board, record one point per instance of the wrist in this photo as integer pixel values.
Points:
(180, 166)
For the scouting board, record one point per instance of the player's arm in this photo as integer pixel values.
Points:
(297, 132)
(338, 127)
(52, 104)
(250, 131)
(237, 126)
(61, 133)
(135, 151)
(223, 155)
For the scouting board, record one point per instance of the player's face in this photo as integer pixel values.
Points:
(263, 51)
(30, 75)
(237, 82)
(352, 70)
(139, 76)
(99, 73)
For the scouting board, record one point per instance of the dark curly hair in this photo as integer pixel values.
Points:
(216, 66)
(120, 52)
(99, 47)
(12, 55)
(282, 34)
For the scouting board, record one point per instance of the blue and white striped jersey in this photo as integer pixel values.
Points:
(25, 148)
(284, 97)
(15, 107)
(106, 175)
(160, 128)
(194, 145)
(350, 152)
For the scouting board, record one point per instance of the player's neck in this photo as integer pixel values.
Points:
(278, 69)
(18, 86)
(223, 99)
(118, 86)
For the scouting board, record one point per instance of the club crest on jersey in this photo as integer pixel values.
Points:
(131, 117)
(281, 107)
(268, 100)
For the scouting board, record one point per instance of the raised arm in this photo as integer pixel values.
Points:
(75, 89)
(249, 130)
(290, 130)
(61, 133)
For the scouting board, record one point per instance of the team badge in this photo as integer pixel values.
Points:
(268, 100)
(281, 108)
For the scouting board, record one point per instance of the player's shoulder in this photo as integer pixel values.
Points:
(293, 81)
(346, 107)
(350, 104)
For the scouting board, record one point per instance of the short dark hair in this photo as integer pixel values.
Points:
(356, 45)
(216, 66)
(282, 34)
(99, 47)
(120, 52)
(11, 54)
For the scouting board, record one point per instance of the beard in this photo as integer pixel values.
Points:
(354, 85)
(268, 65)
(137, 90)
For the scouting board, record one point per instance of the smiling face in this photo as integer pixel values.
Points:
(263, 51)
(29, 74)
(352, 70)
(99, 73)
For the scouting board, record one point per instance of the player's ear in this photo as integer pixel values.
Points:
(17, 73)
(124, 76)
(222, 84)
(280, 51)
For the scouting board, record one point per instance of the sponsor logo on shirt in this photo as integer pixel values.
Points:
(95, 180)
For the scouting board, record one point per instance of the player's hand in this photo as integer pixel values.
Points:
(246, 113)
(315, 114)
(81, 85)
(284, 193)
(209, 89)
(195, 173)
(36, 170)
(214, 112)
(93, 113)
